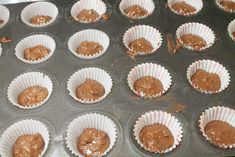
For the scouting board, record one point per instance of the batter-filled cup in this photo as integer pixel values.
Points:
(35, 48)
(86, 75)
(90, 121)
(46, 9)
(20, 128)
(89, 35)
(27, 80)
(226, 5)
(147, 6)
(4, 16)
(163, 120)
(153, 70)
(211, 67)
(208, 126)
(231, 30)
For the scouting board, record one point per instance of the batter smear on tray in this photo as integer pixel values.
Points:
(88, 15)
(36, 52)
(40, 19)
(28, 146)
(89, 48)
(139, 45)
(156, 138)
(93, 143)
(135, 12)
(194, 41)
(183, 8)
(227, 5)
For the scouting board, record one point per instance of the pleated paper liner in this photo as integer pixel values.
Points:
(149, 69)
(38, 9)
(222, 7)
(160, 117)
(27, 126)
(93, 73)
(32, 41)
(91, 35)
(91, 120)
(24, 81)
(5, 15)
(211, 67)
(220, 113)
(231, 30)
(97, 5)
(0, 50)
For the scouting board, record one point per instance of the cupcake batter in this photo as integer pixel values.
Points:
(233, 34)
(93, 143)
(32, 95)
(28, 146)
(148, 86)
(206, 81)
(156, 138)
(135, 11)
(141, 45)
(1, 22)
(89, 48)
(194, 41)
(183, 8)
(88, 16)
(36, 52)
(90, 90)
(227, 4)
(220, 132)
(40, 19)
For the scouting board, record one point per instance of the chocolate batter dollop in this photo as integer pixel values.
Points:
(220, 132)
(148, 86)
(156, 138)
(139, 45)
(36, 52)
(32, 95)
(28, 146)
(90, 90)
(135, 11)
(194, 41)
(93, 143)
(40, 19)
(1, 22)
(89, 48)
(233, 34)
(227, 4)
(206, 81)
(88, 16)
(183, 8)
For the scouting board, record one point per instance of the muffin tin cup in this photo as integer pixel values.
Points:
(5, 15)
(26, 80)
(149, 69)
(98, 5)
(149, 33)
(198, 29)
(91, 120)
(27, 126)
(220, 113)
(221, 6)
(39, 8)
(91, 35)
(231, 29)
(148, 5)
(211, 67)
(93, 73)
(198, 5)
(160, 117)
(32, 41)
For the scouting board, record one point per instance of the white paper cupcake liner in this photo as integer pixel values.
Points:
(5, 15)
(39, 8)
(211, 67)
(32, 41)
(88, 35)
(196, 4)
(160, 117)
(147, 5)
(0, 50)
(98, 5)
(220, 113)
(92, 120)
(149, 69)
(93, 73)
(24, 81)
(143, 31)
(221, 6)
(198, 29)
(28, 126)
(231, 29)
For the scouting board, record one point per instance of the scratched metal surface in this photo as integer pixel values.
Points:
(121, 105)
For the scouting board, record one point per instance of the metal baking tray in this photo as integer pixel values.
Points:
(121, 105)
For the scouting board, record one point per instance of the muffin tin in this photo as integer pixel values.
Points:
(121, 105)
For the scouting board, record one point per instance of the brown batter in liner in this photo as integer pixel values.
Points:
(1, 22)
(89, 48)
(135, 11)
(194, 41)
(88, 16)
(183, 8)
(35, 53)
(227, 4)
(40, 19)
